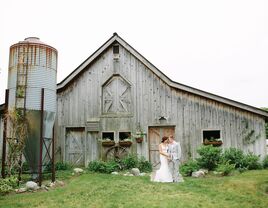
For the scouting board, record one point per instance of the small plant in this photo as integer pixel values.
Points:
(234, 156)
(225, 168)
(251, 162)
(144, 165)
(130, 161)
(8, 184)
(209, 157)
(103, 167)
(265, 162)
(187, 168)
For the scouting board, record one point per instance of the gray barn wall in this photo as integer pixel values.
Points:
(1, 135)
(151, 98)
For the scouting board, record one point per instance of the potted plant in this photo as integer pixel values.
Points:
(215, 142)
(139, 137)
(106, 142)
(125, 142)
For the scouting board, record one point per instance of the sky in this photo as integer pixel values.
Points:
(218, 46)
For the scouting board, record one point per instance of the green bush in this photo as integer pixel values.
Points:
(8, 184)
(233, 156)
(251, 162)
(144, 165)
(209, 156)
(225, 168)
(130, 161)
(187, 168)
(59, 166)
(265, 162)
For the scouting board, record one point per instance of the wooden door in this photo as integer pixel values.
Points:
(74, 146)
(155, 137)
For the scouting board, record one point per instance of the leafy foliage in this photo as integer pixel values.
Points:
(187, 168)
(226, 168)
(209, 157)
(59, 166)
(266, 125)
(233, 156)
(265, 162)
(8, 184)
(131, 161)
(251, 162)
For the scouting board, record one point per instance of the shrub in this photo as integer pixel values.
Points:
(59, 166)
(265, 162)
(144, 165)
(8, 184)
(130, 161)
(187, 168)
(233, 156)
(225, 168)
(251, 162)
(209, 157)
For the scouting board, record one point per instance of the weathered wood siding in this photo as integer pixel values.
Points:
(1, 135)
(151, 98)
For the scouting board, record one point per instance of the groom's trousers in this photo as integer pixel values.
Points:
(174, 168)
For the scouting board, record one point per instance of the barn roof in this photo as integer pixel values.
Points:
(116, 38)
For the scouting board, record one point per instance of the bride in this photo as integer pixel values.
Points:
(163, 174)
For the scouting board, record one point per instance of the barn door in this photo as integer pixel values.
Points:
(74, 146)
(155, 137)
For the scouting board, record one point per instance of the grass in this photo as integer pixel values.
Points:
(102, 190)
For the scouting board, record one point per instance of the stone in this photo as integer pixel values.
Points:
(30, 185)
(114, 173)
(135, 171)
(217, 173)
(204, 170)
(143, 174)
(78, 170)
(60, 183)
(21, 190)
(198, 174)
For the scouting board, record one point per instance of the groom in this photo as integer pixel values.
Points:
(174, 151)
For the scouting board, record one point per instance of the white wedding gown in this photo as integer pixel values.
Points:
(163, 174)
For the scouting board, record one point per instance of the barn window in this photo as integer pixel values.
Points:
(212, 137)
(116, 49)
(108, 135)
(124, 135)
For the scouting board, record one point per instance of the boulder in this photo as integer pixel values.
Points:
(30, 185)
(135, 171)
(198, 174)
(60, 183)
(78, 170)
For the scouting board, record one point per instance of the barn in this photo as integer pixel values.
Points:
(116, 93)
(117, 102)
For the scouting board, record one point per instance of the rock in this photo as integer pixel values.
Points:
(135, 171)
(21, 190)
(78, 170)
(60, 183)
(30, 185)
(114, 173)
(125, 174)
(143, 174)
(130, 174)
(204, 170)
(52, 184)
(198, 174)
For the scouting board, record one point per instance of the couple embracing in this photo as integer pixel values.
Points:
(170, 154)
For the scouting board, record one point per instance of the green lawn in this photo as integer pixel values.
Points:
(101, 190)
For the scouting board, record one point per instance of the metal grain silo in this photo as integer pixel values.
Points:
(33, 67)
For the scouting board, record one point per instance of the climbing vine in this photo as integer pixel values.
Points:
(17, 128)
